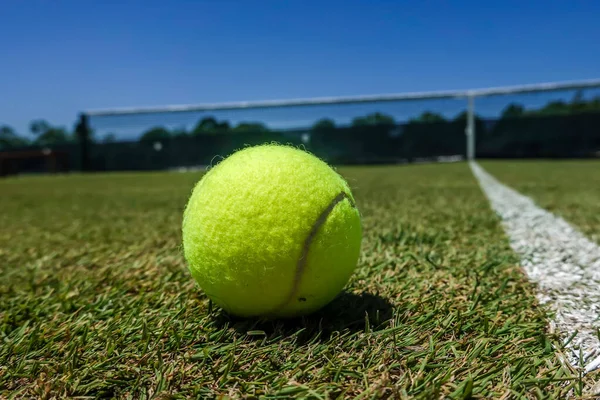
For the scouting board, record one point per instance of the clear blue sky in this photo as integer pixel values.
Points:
(59, 57)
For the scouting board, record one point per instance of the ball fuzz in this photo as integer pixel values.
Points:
(271, 231)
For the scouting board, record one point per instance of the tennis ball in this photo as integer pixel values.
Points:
(271, 231)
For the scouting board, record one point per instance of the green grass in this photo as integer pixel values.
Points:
(570, 189)
(96, 300)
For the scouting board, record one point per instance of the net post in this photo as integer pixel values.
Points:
(470, 129)
(84, 134)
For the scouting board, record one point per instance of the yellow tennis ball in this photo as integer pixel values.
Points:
(271, 231)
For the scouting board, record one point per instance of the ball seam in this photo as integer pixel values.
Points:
(303, 260)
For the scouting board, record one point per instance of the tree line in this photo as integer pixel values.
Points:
(499, 133)
(210, 125)
(42, 134)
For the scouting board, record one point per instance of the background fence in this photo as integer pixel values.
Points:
(557, 120)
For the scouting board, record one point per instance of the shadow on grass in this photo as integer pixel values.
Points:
(347, 312)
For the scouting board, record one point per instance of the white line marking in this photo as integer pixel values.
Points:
(563, 263)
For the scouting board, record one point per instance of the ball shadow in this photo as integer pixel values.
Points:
(347, 312)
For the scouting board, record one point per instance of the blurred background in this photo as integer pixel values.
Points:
(161, 86)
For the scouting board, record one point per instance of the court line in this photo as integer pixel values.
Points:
(564, 264)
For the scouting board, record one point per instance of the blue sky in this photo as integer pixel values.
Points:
(60, 57)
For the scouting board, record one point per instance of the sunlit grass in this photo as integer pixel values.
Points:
(96, 299)
(570, 188)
